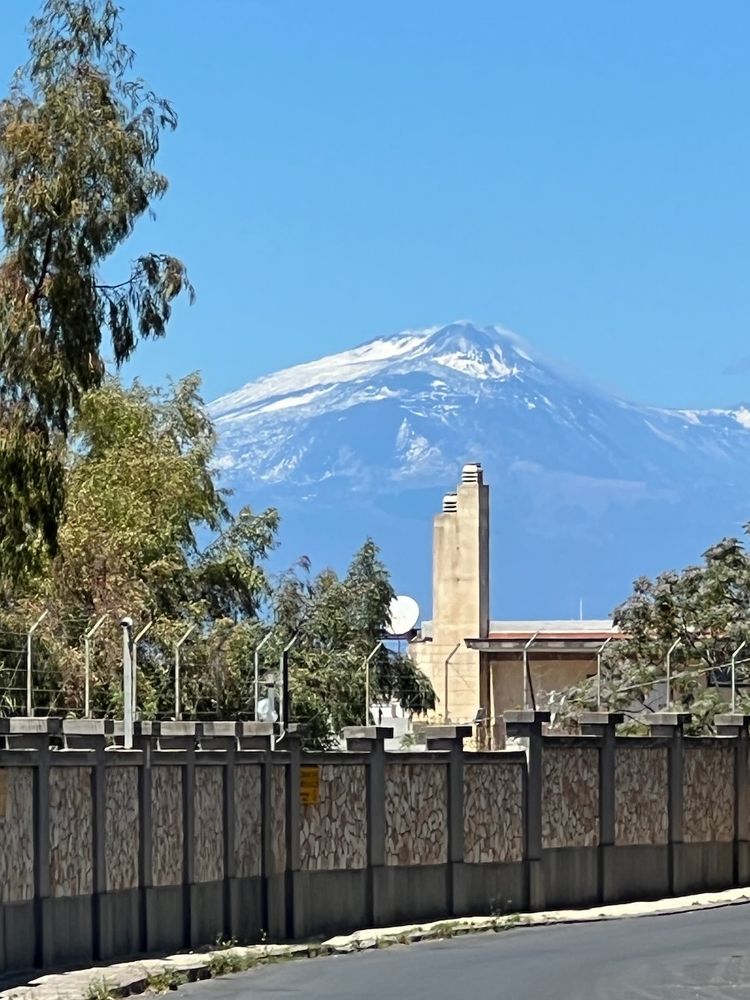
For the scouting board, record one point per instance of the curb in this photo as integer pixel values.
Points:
(161, 975)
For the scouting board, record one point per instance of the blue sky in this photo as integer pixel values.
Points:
(578, 171)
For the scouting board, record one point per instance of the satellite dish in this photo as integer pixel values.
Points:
(266, 712)
(403, 617)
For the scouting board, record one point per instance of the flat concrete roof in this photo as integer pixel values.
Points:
(543, 630)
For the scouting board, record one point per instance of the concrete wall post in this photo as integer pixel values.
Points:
(370, 740)
(145, 826)
(451, 738)
(292, 743)
(737, 726)
(528, 726)
(273, 903)
(228, 807)
(188, 841)
(100, 915)
(603, 725)
(42, 917)
(671, 725)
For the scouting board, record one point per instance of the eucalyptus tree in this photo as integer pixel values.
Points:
(79, 139)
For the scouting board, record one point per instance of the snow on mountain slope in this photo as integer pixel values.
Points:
(365, 441)
(460, 347)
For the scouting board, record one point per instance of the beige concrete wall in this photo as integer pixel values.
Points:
(416, 814)
(570, 797)
(493, 813)
(333, 832)
(641, 795)
(461, 700)
(708, 793)
(16, 834)
(248, 831)
(71, 862)
(166, 824)
(121, 834)
(546, 676)
(208, 836)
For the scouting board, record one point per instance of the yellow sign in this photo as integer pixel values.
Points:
(309, 785)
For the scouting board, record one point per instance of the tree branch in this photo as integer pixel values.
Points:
(123, 284)
(45, 267)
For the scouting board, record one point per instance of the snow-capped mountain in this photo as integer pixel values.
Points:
(589, 490)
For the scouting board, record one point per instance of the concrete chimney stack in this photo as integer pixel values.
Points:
(460, 596)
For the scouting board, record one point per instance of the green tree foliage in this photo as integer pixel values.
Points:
(139, 490)
(79, 137)
(338, 623)
(139, 496)
(706, 610)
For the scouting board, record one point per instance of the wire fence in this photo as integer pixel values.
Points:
(34, 681)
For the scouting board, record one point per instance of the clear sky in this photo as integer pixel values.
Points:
(576, 170)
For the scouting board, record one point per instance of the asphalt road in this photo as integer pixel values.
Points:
(705, 954)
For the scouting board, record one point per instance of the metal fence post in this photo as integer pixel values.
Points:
(29, 664)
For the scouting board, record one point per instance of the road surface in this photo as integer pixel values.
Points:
(700, 955)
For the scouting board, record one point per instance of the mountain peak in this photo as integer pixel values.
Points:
(460, 349)
(480, 352)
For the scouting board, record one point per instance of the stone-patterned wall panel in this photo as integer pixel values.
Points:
(166, 824)
(278, 819)
(70, 833)
(121, 827)
(247, 820)
(333, 833)
(641, 795)
(208, 822)
(570, 797)
(708, 790)
(416, 814)
(16, 834)
(493, 813)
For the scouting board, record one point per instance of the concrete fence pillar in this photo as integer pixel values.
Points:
(43, 917)
(451, 739)
(188, 839)
(273, 884)
(371, 740)
(228, 809)
(291, 742)
(527, 725)
(603, 725)
(145, 827)
(671, 726)
(100, 922)
(737, 725)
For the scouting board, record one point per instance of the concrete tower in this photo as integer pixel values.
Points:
(460, 599)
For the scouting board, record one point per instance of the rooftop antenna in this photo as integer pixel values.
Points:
(580, 609)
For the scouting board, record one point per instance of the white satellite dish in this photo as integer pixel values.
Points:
(403, 617)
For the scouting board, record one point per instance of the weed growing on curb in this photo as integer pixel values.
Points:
(165, 981)
(448, 929)
(99, 990)
(224, 963)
